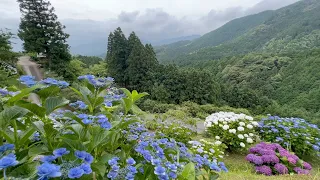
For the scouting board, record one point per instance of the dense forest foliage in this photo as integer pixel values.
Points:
(266, 62)
(294, 28)
(135, 66)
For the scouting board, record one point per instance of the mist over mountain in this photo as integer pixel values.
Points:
(156, 26)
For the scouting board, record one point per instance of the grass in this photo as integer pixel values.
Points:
(239, 169)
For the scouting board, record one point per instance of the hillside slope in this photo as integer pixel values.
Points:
(289, 29)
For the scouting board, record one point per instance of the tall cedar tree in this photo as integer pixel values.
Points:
(43, 33)
(6, 54)
(117, 55)
(140, 65)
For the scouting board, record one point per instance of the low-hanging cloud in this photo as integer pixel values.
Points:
(151, 25)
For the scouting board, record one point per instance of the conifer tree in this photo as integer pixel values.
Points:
(43, 33)
(117, 55)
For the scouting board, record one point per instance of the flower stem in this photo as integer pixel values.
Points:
(4, 174)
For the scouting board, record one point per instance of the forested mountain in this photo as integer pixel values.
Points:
(289, 29)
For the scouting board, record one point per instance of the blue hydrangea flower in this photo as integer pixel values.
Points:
(6, 147)
(86, 168)
(112, 174)
(215, 167)
(316, 148)
(132, 169)
(223, 166)
(8, 161)
(80, 154)
(60, 152)
(130, 176)
(159, 170)
(172, 175)
(83, 116)
(49, 158)
(87, 121)
(113, 161)
(88, 158)
(131, 161)
(27, 80)
(3, 92)
(76, 172)
(47, 170)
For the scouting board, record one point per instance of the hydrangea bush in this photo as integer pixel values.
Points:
(296, 134)
(214, 150)
(237, 131)
(100, 138)
(273, 159)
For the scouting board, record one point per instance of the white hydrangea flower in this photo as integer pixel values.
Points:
(242, 123)
(220, 156)
(225, 127)
(240, 128)
(220, 125)
(232, 131)
(218, 142)
(249, 126)
(249, 140)
(209, 124)
(242, 144)
(217, 137)
(216, 122)
(255, 123)
(249, 118)
(251, 134)
(240, 136)
(245, 135)
(224, 122)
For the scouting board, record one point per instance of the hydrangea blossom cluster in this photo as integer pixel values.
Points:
(7, 158)
(151, 152)
(97, 82)
(234, 130)
(79, 105)
(211, 149)
(11, 70)
(113, 95)
(72, 169)
(294, 133)
(173, 129)
(273, 159)
(5, 92)
(31, 81)
(100, 120)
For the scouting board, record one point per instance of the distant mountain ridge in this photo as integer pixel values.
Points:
(292, 28)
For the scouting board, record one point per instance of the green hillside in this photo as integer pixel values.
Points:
(290, 29)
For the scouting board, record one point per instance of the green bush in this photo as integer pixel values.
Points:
(156, 107)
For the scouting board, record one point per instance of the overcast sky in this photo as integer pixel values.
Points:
(152, 20)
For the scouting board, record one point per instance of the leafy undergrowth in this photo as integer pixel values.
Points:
(240, 169)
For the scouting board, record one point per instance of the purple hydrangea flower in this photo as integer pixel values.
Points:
(281, 168)
(254, 159)
(271, 159)
(307, 166)
(300, 171)
(266, 170)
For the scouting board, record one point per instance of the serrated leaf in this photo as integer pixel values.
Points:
(189, 172)
(47, 92)
(22, 94)
(26, 135)
(33, 108)
(99, 168)
(11, 113)
(127, 93)
(54, 103)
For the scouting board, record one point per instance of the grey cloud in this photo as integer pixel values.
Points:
(151, 25)
(128, 17)
(269, 5)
